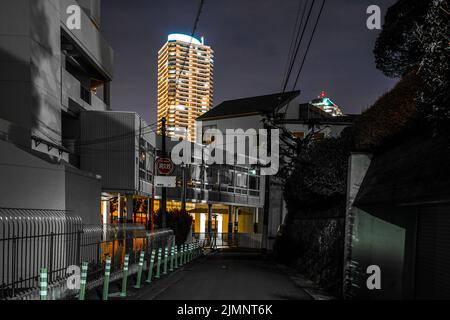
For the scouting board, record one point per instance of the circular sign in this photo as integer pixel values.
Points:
(164, 166)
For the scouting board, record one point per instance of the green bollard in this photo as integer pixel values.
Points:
(43, 284)
(126, 260)
(140, 267)
(187, 253)
(184, 253)
(84, 270)
(106, 280)
(150, 268)
(166, 254)
(176, 257)
(195, 250)
(158, 264)
(181, 255)
(190, 252)
(172, 253)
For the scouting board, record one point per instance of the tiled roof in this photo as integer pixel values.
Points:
(250, 106)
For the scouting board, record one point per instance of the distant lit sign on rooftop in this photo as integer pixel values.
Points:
(184, 38)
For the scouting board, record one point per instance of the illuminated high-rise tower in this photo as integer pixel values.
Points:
(324, 103)
(185, 84)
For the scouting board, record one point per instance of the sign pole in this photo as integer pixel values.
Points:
(164, 190)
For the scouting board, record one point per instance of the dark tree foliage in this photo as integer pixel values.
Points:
(319, 178)
(179, 221)
(393, 115)
(397, 50)
(416, 36)
(433, 100)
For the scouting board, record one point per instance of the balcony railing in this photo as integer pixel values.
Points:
(72, 89)
(89, 38)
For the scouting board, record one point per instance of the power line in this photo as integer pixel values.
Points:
(295, 35)
(309, 44)
(297, 48)
(148, 129)
(194, 29)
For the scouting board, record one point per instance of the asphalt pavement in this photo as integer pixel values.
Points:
(224, 275)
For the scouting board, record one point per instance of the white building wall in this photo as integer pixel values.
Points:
(28, 182)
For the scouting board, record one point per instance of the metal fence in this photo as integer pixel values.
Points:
(35, 239)
(116, 241)
(230, 240)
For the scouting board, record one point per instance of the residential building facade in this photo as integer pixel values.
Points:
(249, 114)
(50, 74)
(120, 147)
(222, 199)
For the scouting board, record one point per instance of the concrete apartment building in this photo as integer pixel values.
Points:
(121, 148)
(249, 113)
(48, 74)
(223, 200)
(185, 83)
(55, 119)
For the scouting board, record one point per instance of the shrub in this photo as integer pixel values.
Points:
(179, 221)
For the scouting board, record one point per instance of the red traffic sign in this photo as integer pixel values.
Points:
(164, 166)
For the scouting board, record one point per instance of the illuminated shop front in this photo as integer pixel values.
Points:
(131, 209)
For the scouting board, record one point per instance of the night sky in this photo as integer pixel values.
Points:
(251, 40)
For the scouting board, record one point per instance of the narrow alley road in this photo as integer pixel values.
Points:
(225, 276)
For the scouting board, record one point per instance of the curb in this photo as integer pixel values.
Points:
(312, 289)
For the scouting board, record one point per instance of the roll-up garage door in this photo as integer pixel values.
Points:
(433, 254)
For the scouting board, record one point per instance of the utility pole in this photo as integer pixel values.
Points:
(152, 200)
(164, 190)
(265, 229)
(183, 194)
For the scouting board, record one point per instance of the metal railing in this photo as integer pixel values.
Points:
(35, 239)
(230, 240)
(116, 241)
